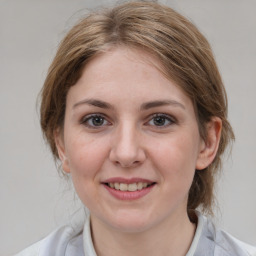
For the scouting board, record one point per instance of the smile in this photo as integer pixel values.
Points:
(129, 187)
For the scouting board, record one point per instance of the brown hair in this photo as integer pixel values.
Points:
(186, 58)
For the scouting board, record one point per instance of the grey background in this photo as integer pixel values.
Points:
(34, 199)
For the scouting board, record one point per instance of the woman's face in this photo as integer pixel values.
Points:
(131, 142)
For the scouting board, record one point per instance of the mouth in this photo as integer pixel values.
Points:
(131, 187)
(128, 189)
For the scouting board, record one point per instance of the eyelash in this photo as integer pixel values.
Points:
(165, 117)
(85, 120)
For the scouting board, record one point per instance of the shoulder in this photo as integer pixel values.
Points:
(65, 240)
(220, 242)
(229, 242)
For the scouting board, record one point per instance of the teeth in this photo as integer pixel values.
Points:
(139, 185)
(132, 187)
(129, 187)
(123, 187)
(117, 186)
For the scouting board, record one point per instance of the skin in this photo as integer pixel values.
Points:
(129, 141)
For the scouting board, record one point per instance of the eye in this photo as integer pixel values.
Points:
(94, 121)
(161, 120)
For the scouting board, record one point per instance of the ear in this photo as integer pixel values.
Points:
(210, 145)
(59, 142)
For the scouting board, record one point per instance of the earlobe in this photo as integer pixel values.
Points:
(210, 145)
(59, 142)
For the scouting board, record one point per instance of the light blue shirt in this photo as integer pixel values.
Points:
(76, 240)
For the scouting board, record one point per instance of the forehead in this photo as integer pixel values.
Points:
(125, 73)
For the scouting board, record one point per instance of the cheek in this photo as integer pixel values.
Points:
(176, 158)
(86, 156)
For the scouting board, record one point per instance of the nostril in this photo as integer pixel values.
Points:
(126, 157)
(128, 165)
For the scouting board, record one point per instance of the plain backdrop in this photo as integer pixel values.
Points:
(34, 199)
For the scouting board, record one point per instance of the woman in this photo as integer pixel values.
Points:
(135, 109)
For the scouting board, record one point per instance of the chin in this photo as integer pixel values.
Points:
(131, 223)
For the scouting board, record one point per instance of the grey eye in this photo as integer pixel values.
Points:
(97, 120)
(161, 120)
(94, 121)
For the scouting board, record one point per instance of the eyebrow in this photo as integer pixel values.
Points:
(159, 103)
(94, 102)
(144, 106)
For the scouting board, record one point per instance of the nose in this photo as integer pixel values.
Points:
(127, 150)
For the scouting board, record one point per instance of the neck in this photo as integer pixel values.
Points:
(171, 237)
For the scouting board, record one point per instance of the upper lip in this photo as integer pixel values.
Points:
(127, 181)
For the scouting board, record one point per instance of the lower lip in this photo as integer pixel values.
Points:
(129, 195)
